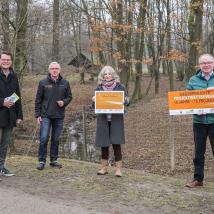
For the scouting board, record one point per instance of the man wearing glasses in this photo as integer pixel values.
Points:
(53, 95)
(203, 124)
(10, 107)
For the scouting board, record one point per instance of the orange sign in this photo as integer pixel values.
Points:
(109, 102)
(191, 102)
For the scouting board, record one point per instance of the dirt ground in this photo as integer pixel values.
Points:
(17, 201)
(77, 189)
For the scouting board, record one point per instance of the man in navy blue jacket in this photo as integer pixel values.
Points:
(53, 95)
(10, 110)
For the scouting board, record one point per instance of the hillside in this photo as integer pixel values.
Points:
(149, 128)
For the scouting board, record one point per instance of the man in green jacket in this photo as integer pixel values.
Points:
(203, 124)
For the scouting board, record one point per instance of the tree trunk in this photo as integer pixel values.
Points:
(5, 24)
(139, 50)
(55, 44)
(120, 35)
(20, 49)
(195, 34)
(169, 62)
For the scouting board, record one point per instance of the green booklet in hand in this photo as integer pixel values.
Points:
(14, 97)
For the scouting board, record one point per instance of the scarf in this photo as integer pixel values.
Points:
(109, 85)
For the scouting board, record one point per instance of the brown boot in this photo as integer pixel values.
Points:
(104, 165)
(194, 184)
(118, 165)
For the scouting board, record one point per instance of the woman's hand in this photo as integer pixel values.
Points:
(126, 101)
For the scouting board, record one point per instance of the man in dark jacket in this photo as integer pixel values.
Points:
(53, 95)
(10, 107)
(203, 124)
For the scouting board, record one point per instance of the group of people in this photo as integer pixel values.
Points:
(54, 94)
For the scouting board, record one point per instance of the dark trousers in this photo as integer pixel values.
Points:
(5, 134)
(117, 152)
(116, 148)
(46, 125)
(201, 132)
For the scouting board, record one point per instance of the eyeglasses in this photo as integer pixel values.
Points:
(206, 63)
(54, 68)
(6, 60)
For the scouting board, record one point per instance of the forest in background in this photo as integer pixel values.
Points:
(154, 45)
(134, 36)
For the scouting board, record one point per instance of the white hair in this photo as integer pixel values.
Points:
(207, 56)
(54, 63)
(109, 69)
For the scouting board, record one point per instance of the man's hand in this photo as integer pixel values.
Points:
(93, 98)
(18, 121)
(39, 120)
(201, 114)
(60, 103)
(210, 88)
(7, 103)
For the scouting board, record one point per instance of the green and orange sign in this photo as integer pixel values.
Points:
(191, 102)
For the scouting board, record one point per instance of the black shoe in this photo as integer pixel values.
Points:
(56, 164)
(41, 166)
(5, 172)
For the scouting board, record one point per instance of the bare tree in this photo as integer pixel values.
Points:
(55, 46)
(20, 57)
(155, 39)
(195, 34)
(5, 24)
(139, 50)
(169, 46)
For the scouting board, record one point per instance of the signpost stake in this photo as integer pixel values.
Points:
(172, 144)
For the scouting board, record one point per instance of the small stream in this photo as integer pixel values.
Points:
(77, 140)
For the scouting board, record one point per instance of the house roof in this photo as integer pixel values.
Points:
(81, 61)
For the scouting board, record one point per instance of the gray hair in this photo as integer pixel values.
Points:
(205, 55)
(109, 69)
(54, 63)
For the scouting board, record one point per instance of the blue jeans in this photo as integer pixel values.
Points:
(46, 125)
(201, 132)
(5, 134)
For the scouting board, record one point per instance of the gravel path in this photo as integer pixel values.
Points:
(14, 201)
